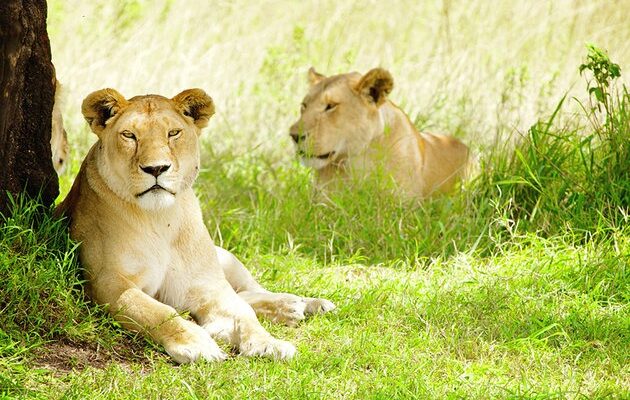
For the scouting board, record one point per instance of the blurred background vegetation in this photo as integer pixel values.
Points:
(483, 71)
(474, 68)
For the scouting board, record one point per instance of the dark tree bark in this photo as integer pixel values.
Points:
(26, 102)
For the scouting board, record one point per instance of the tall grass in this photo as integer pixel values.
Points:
(41, 296)
(562, 178)
(39, 270)
(554, 179)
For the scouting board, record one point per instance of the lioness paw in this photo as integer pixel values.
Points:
(222, 329)
(191, 352)
(268, 347)
(195, 344)
(289, 309)
(318, 306)
(286, 308)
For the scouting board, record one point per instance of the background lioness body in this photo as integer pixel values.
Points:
(348, 127)
(144, 246)
(58, 137)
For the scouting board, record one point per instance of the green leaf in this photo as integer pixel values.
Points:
(615, 71)
(599, 94)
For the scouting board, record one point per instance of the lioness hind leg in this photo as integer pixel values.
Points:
(283, 308)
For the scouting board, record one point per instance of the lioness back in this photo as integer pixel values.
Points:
(348, 127)
(445, 162)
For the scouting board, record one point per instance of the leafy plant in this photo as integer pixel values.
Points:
(604, 71)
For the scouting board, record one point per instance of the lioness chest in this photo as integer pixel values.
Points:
(163, 254)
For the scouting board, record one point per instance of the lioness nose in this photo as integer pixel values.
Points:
(297, 138)
(155, 170)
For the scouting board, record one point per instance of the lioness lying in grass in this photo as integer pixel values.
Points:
(144, 246)
(348, 127)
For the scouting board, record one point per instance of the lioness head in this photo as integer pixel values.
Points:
(148, 145)
(339, 115)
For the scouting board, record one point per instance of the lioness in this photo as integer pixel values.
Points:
(58, 137)
(144, 247)
(348, 127)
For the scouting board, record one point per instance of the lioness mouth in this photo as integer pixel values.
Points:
(321, 157)
(325, 156)
(152, 188)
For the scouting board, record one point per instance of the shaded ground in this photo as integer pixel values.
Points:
(63, 357)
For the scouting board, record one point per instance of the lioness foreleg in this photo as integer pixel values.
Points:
(183, 340)
(283, 308)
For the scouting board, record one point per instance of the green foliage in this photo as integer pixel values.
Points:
(42, 291)
(41, 280)
(604, 71)
(560, 178)
(253, 206)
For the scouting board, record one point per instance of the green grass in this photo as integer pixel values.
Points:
(545, 319)
(516, 287)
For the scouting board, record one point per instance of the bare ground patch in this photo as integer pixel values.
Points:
(62, 356)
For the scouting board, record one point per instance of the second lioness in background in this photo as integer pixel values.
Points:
(348, 127)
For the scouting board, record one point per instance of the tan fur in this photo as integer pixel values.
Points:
(349, 128)
(58, 138)
(147, 253)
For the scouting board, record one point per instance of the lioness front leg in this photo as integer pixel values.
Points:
(283, 308)
(183, 340)
(227, 317)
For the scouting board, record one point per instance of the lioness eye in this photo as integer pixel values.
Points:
(330, 106)
(128, 135)
(174, 133)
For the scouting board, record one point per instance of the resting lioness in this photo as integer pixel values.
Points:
(144, 247)
(58, 136)
(348, 127)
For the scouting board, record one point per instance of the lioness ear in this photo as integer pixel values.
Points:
(195, 103)
(314, 77)
(376, 85)
(100, 106)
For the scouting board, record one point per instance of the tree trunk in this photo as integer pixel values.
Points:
(26, 101)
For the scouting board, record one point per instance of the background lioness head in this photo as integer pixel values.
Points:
(148, 145)
(339, 115)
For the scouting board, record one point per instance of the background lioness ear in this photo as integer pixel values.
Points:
(314, 77)
(376, 85)
(195, 103)
(98, 107)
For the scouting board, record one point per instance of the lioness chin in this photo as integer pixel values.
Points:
(349, 128)
(144, 246)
